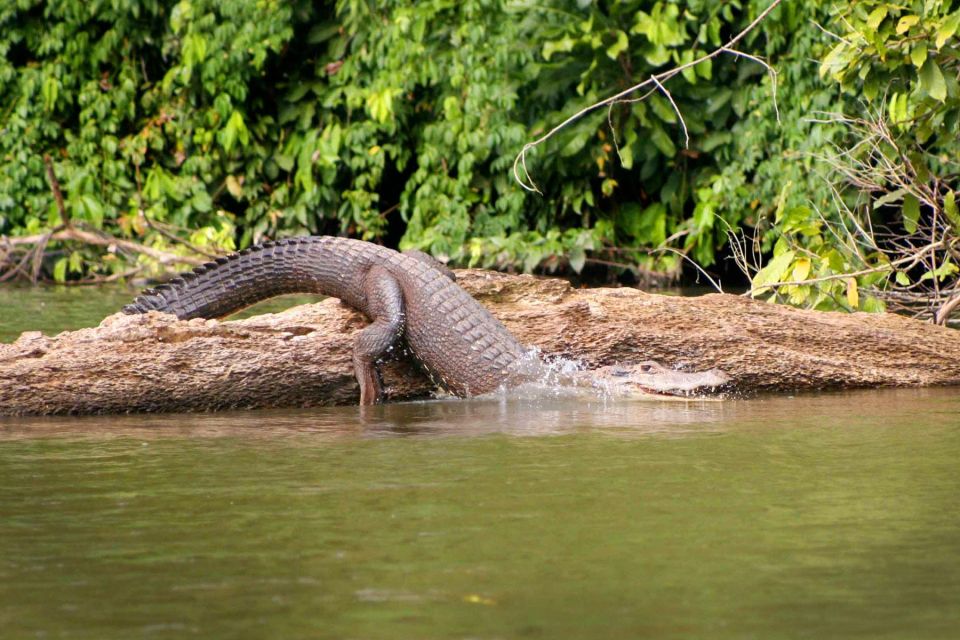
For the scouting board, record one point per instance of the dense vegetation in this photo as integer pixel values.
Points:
(207, 125)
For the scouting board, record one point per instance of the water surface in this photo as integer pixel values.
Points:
(816, 516)
(807, 517)
(65, 308)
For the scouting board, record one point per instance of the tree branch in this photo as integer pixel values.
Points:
(656, 79)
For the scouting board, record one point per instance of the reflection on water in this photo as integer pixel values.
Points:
(567, 411)
(447, 417)
(778, 517)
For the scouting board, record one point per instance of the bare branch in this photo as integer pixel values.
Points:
(773, 76)
(657, 80)
(663, 89)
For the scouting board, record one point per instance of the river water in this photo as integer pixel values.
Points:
(808, 516)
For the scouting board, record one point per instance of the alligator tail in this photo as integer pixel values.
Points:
(230, 283)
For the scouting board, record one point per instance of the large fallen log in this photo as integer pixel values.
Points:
(302, 357)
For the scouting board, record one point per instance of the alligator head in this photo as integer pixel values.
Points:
(652, 378)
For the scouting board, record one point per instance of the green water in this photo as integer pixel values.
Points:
(55, 309)
(816, 516)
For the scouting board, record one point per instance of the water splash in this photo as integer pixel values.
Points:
(537, 377)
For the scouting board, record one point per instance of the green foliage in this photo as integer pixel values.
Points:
(896, 65)
(234, 120)
(227, 122)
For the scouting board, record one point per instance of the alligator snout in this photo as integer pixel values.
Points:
(646, 378)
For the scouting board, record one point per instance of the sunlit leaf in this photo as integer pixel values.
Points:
(905, 23)
(801, 269)
(772, 273)
(619, 46)
(950, 209)
(948, 29)
(876, 17)
(60, 270)
(853, 293)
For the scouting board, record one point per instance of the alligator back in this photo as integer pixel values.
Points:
(457, 340)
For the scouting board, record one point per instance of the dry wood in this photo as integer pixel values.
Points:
(302, 357)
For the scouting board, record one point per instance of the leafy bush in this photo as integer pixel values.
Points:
(222, 123)
(894, 223)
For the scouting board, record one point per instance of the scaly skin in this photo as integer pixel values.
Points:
(408, 296)
(456, 339)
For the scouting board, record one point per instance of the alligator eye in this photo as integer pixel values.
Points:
(646, 368)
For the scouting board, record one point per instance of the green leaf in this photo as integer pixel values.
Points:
(662, 141)
(897, 108)
(905, 23)
(911, 213)
(893, 196)
(942, 272)
(931, 80)
(553, 46)
(92, 209)
(876, 17)
(918, 55)
(234, 130)
(643, 226)
(201, 201)
(50, 91)
(322, 32)
(835, 62)
(656, 55)
(60, 270)
(380, 104)
(194, 49)
(950, 209)
(872, 304)
(532, 260)
(948, 29)
(690, 73)
(662, 108)
(773, 272)
(902, 279)
(705, 69)
(617, 48)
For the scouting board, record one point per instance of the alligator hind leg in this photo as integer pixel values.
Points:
(385, 308)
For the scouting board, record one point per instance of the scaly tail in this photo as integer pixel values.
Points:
(219, 288)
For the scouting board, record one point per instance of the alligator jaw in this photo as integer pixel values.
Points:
(652, 378)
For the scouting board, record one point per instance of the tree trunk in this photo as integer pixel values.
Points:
(302, 357)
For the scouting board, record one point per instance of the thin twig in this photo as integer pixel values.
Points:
(686, 134)
(943, 313)
(659, 78)
(831, 33)
(773, 76)
(104, 240)
(715, 284)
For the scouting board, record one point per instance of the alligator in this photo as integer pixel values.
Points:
(412, 300)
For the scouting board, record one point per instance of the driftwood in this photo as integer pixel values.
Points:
(302, 357)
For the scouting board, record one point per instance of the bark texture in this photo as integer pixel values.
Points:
(302, 357)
